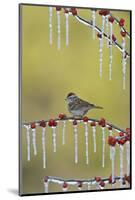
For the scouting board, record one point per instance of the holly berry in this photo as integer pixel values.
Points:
(121, 141)
(79, 184)
(33, 125)
(58, 8)
(46, 179)
(111, 19)
(121, 134)
(112, 140)
(65, 185)
(52, 122)
(93, 124)
(62, 116)
(74, 11)
(85, 119)
(66, 11)
(97, 178)
(121, 22)
(102, 122)
(99, 35)
(123, 33)
(102, 184)
(113, 37)
(110, 128)
(74, 122)
(43, 124)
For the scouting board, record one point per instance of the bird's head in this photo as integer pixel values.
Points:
(71, 97)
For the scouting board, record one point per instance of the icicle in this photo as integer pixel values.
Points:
(58, 29)
(28, 142)
(94, 22)
(128, 157)
(110, 61)
(67, 29)
(101, 55)
(34, 141)
(121, 164)
(113, 162)
(63, 132)
(110, 134)
(103, 146)
(46, 186)
(103, 24)
(50, 25)
(76, 143)
(54, 138)
(124, 63)
(89, 185)
(44, 147)
(107, 28)
(86, 142)
(94, 137)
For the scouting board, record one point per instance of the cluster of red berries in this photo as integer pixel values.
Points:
(100, 181)
(104, 12)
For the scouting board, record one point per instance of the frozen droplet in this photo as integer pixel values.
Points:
(34, 141)
(54, 138)
(44, 147)
(103, 146)
(63, 132)
(67, 28)
(50, 25)
(86, 142)
(113, 162)
(121, 164)
(101, 56)
(128, 157)
(76, 143)
(58, 29)
(94, 22)
(28, 142)
(46, 186)
(94, 137)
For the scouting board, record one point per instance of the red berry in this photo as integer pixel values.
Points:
(79, 184)
(100, 12)
(58, 8)
(46, 179)
(42, 123)
(111, 19)
(99, 35)
(121, 134)
(33, 125)
(85, 119)
(65, 185)
(128, 130)
(62, 116)
(105, 12)
(74, 11)
(74, 122)
(102, 184)
(112, 141)
(65, 10)
(127, 178)
(110, 179)
(52, 122)
(110, 128)
(113, 37)
(93, 124)
(123, 33)
(121, 141)
(121, 22)
(97, 178)
(127, 138)
(102, 122)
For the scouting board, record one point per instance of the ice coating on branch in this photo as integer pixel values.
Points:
(50, 25)
(34, 141)
(113, 162)
(121, 164)
(89, 185)
(67, 28)
(124, 62)
(94, 22)
(94, 137)
(28, 142)
(76, 142)
(128, 157)
(58, 29)
(63, 132)
(86, 142)
(54, 138)
(103, 146)
(44, 147)
(46, 186)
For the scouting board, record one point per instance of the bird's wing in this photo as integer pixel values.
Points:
(83, 103)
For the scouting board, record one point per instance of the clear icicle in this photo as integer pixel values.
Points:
(67, 28)
(103, 24)
(110, 52)
(94, 137)
(86, 142)
(44, 147)
(46, 185)
(121, 164)
(124, 63)
(58, 29)
(128, 157)
(94, 22)
(89, 185)
(50, 25)
(34, 141)
(101, 56)
(76, 143)
(113, 162)
(28, 142)
(107, 28)
(63, 132)
(110, 134)
(103, 146)
(54, 138)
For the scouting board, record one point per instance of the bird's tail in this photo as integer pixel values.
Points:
(98, 107)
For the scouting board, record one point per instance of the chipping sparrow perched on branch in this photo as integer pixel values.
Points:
(78, 107)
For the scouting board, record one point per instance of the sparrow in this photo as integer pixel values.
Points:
(79, 107)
